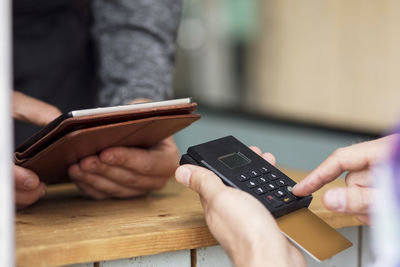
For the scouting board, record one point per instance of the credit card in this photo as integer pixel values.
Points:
(312, 234)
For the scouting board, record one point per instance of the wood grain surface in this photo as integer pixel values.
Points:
(66, 228)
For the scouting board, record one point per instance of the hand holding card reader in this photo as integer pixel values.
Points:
(240, 167)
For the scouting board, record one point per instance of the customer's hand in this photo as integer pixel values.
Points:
(28, 188)
(358, 160)
(124, 172)
(240, 223)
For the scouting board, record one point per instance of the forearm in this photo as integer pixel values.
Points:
(136, 47)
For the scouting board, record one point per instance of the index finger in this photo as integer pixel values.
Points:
(33, 110)
(352, 158)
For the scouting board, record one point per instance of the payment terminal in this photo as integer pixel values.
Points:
(240, 167)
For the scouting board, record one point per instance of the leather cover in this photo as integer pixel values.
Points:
(79, 137)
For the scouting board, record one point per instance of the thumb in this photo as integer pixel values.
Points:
(33, 110)
(199, 179)
(355, 200)
(25, 179)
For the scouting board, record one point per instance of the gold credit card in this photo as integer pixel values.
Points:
(312, 234)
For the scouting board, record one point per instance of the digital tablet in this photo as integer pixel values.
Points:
(81, 133)
(96, 111)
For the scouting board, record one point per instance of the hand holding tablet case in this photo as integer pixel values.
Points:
(79, 134)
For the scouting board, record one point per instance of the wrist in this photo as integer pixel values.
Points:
(262, 259)
(263, 253)
(255, 251)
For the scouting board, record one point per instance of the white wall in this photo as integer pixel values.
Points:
(6, 186)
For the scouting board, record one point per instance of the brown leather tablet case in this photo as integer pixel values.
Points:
(78, 137)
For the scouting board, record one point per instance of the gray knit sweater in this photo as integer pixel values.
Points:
(136, 42)
(55, 59)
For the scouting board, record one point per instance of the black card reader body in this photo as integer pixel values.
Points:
(240, 167)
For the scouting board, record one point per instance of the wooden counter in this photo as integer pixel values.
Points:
(66, 228)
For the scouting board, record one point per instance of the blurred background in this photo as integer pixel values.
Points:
(296, 78)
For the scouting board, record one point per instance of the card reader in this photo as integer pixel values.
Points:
(240, 167)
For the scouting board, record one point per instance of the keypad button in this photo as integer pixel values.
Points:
(253, 173)
(290, 182)
(289, 189)
(288, 199)
(261, 180)
(264, 170)
(273, 201)
(259, 191)
(281, 182)
(279, 193)
(251, 183)
(243, 178)
(272, 176)
(270, 186)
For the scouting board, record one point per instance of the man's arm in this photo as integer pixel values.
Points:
(136, 47)
(136, 41)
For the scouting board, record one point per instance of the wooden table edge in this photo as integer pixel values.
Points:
(95, 250)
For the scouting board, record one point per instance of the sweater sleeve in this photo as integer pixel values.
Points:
(136, 47)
